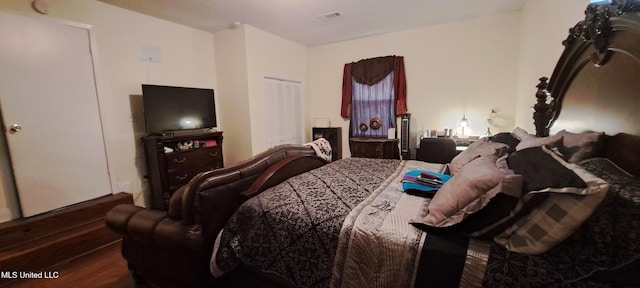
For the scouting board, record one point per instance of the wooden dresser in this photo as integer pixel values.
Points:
(168, 171)
(380, 148)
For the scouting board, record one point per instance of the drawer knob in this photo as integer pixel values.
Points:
(213, 154)
(182, 177)
(180, 160)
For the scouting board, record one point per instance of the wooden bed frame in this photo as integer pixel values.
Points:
(597, 74)
(594, 86)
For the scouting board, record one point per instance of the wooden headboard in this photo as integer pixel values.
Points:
(595, 85)
(596, 82)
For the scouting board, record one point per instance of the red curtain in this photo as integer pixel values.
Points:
(371, 71)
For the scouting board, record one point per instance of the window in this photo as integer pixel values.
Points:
(374, 108)
(374, 92)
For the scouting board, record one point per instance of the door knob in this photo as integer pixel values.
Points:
(15, 128)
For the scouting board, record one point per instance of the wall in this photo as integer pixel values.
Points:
(231, 62)
(461, 67)
(8, 195)
(269, 55)
(545, 24)
(187, 60)
(245, 56)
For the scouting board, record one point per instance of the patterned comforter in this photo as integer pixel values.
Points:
(342, 225)
(605, 252)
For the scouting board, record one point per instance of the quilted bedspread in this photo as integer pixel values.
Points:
(342, 225)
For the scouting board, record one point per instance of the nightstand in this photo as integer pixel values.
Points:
(437, 150)
(463, 143)
(334, 136)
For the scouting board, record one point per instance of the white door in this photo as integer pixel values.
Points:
(283, 112)
(48, 91)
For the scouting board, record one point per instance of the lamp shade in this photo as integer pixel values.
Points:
(464, 122)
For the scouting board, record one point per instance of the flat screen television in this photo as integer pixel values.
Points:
(169, 109)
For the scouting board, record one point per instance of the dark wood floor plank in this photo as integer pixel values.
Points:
(19, 231)
(70, 247)
(104, 268)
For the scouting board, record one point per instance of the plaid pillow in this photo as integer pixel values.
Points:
(569, 203)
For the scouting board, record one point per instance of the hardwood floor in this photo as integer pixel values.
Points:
(69, 247)
(104, 268)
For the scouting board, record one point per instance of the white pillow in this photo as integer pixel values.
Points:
(529, 140)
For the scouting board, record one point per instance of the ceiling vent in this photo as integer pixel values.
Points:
(329, 16)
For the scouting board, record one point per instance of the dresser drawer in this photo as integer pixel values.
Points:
(374, 148)
(368, 150)
(169, 171)
(192, 158)
(180, 177)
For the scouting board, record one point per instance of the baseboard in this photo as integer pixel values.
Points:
(5, 215)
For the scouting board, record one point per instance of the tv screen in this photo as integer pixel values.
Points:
(170, 109)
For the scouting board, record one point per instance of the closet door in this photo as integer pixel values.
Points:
(50, 113)
(283, 112)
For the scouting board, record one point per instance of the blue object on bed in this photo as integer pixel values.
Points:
(410, 185)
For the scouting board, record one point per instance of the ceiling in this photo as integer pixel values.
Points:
(317, 22)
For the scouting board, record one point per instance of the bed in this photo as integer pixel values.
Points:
(558, 207)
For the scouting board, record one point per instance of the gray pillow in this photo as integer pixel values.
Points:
(469, 191)
(581, 146)
(481, 147)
